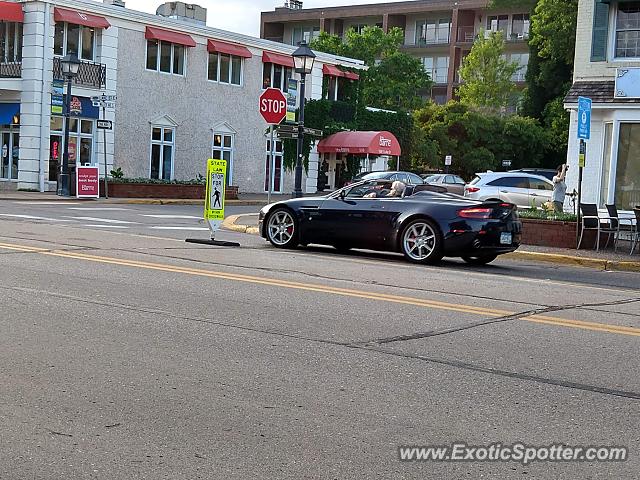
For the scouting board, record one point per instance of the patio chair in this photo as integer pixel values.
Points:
(590, 220)
(616, 225)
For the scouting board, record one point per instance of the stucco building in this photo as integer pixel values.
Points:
(607, 70)
(438, 32)
(185, 92)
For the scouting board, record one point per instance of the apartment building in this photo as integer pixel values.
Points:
(607, 70)
(438, 32)
(185, 92)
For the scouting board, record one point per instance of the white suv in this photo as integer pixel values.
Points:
(522, 189)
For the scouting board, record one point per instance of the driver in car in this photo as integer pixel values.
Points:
(397, 188)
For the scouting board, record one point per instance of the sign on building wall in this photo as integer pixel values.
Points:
(57, 97)
(627, 83)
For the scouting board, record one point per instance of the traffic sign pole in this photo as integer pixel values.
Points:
(584, 133)
(104, 136)
(271, 164)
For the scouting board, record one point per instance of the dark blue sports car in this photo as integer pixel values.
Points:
(423, 225)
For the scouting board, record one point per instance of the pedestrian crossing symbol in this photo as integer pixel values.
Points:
(214, 201)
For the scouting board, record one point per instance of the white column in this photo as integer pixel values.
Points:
(107, 55)
(613, 167)
(34, 82)
(311, 183)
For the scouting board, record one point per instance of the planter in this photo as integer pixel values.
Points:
(162, 190)
(552, 233)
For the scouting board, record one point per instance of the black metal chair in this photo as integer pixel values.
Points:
(590, 220)
(616, 225)
(635, 232)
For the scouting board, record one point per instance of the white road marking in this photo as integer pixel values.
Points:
(105, 220)
(105, 226)
(101, 209)
(33, 217)
(59, 202)
(194, 229)
(186, 217)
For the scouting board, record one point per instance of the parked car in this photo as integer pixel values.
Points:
(547, 173)
(452, 183)
(407, 178)
(423, 225)
(522, 189)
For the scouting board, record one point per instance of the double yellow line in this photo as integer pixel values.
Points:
(345, 292)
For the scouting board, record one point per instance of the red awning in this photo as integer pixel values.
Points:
(11, 12)
(228, 48)
(333, 71)
(372, 143)
(153, 33)
(79, 18)
(278, 59)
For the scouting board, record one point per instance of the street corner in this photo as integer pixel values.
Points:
(242, 223)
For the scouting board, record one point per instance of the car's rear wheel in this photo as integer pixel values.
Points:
(282, 229)
(479, 259)
(421, 242)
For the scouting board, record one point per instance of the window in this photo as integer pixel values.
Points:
(79, 40)
(306, 33)
(627, 192)
(80, 138)
(10, 42)
(498, 22)
(432, 31)
(276, 76)
(415, 179)
(165, 57)
(224, 68)
(162, 151)
(437, 68)
(277, 160)
(513, 182)
(520, 26)
(223, 150)
(536, 184)
(628, 30)
(522, 59)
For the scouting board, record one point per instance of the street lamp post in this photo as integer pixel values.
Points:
(70, 66)
(303, 59)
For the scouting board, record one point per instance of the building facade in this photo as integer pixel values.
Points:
(185, 92)
(607, 70)
(438, 32)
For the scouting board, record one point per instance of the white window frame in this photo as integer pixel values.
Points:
(162, 143)
(225, 131)
(282, 79)
(18, 33)
(613, 22)
(231, 57)
(157, 69)
(77, 134)
(267, 157)
(64, 41)
(434, 69)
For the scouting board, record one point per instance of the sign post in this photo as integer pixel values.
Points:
(584, 133)
(105, 101)
(447, 163)
(273, 108)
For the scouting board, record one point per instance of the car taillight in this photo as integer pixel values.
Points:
(471, 189)
(477, 213)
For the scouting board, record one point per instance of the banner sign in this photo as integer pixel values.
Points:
(292, 100)
(79, 106)
(87, 182)
(214, 200)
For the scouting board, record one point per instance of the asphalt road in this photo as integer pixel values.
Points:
(127, 353)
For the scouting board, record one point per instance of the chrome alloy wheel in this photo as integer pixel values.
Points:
(419, 241)
(281, 227)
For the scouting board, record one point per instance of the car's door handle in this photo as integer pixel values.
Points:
(534, 194)
(504, 191)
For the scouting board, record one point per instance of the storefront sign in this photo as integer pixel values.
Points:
(214, 200)
(79, 106)
(87, 183)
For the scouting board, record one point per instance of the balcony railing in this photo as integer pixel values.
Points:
(10, 69)
(423, 42)
(469, 35)
(90, 74)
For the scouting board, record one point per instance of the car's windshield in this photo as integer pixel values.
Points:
(375, 175)
(432, 178)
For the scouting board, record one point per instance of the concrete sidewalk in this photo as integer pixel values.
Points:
(602, 260)
(257, 200)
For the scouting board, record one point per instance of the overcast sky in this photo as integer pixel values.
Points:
(242, 16)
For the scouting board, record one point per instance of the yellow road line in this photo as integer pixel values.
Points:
(482, 311)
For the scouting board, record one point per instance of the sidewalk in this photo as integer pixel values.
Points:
(257, 200)
(602, 260)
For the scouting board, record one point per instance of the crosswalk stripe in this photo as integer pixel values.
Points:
(105, 220)
(194, 229)
(32, 217)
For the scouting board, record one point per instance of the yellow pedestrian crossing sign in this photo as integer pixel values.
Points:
(214, 200)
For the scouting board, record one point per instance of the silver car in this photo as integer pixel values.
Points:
(522, 189)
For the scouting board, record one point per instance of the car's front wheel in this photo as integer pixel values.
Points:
(479, 259)
(421, 242)
(282, 229)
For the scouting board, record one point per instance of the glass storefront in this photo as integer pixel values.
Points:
(10, 148)
(627, 192)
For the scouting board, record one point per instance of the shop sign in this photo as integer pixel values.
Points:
(87, 182)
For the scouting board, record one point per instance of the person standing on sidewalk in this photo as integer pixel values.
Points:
(559, 188)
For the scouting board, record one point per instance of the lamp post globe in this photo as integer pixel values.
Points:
(303, 59)
(70, 68)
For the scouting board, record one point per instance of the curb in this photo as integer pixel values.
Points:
(556, 258)
(137, 201)
(229, 223)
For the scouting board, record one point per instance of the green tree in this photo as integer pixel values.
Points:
(486, 74)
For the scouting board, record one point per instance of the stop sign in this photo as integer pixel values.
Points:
(273, 106)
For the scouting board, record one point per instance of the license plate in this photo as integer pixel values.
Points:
(505, 238)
